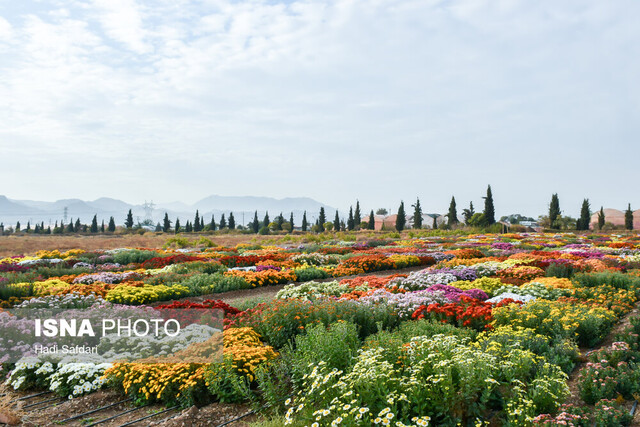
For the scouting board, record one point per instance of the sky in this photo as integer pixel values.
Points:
(379, 100)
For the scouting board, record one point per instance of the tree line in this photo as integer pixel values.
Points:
(354, 221)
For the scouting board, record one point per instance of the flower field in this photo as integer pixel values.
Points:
(474, 330)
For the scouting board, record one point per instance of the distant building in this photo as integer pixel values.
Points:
(615, 217)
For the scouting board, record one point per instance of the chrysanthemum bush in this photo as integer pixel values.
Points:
(442, 380)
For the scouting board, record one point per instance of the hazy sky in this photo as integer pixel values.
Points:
(375, 99)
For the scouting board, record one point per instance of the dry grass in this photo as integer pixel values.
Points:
(8, 415)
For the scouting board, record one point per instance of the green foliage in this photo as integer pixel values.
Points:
(628, 218)
(601, 218)
(310, 273)
(129, 221)
(554, 212)
(559, 270)
(417, 215)
(585, 216)
(401, 218)
(617, 280)
(136, 256)
(452, 216)
(372, 221)
(489, 210)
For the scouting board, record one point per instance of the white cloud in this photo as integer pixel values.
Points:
(263, 97)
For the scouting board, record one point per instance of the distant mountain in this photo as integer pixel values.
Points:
(243, 208)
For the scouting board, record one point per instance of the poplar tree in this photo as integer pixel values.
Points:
(177, 230)
(129, 221)
(166, 223)
(601, 218)
(94, 224)
(291, 221)
(266, 221)
(223, 222)
(628, 218)
(417, 215)
(554, 212)
(350, 221)
(321, 220)
(336, 222)
(357, 216)
(196, 222)
(305, 223)
(401, 218)
(112, 225)
(372, 221)
(255, 225)
(585, 216)
(212, 224)
(232, 221)
(452, 216)
(489, 210)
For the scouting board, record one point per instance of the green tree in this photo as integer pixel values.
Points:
(223, 222)
(18, 225)
(601, 218)
(158, 227)
(232, 221)
(382, 211)
(628, 218)
(279, 222)
(372, 221)
(322, 218)
(28, 229)
(112, 225)
(255, 225)
(70, 228)
(77, 226)
(350, 221)
(435, 223)
(177, 229)
(102, 227)
(212, 224)
(129, 221)
(452, 216)
(266, 221)
(166, 223)
(336, 222)
(585, 216)
(357, 216)
(188, 228)
(468, 214)
(417, 215)
(291, 221)
(554, 212)
(94, 224)
(401, 218)
(196, 222)
(305, 223)
(489, 210)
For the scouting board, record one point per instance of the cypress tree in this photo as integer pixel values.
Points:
(489, 210)
(291, 221)
(255, 225)
(70, 226)
(36, 230)
(18, 226)
(94, 224)
(601, 218)
(417, 215)
(401, 218)
(177, 230)
(343, 226)
(554, 212)
(158, 227)
(212, 224)
(357, 216)
(351, 224)
(201, 223)
(266, 221)
(102, 227)
(129, 221)
(77, 226)
(336, 222)
(279, 221)
(232, 222)
(166, 223)
(585, 216)
(372, 221)
(305, 223)
(321, 220)
(452, 216)
(196, 222)
(28, 226)
(112, 225)
(435, 223)
(48, 229)
(223, 222)
(188, 228)
(628, 218)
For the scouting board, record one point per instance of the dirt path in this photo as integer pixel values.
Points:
(268, 292)
(624, 323)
